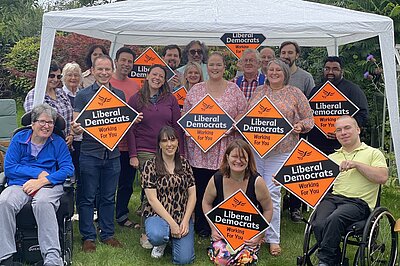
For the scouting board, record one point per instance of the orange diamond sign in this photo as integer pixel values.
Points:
(238, 42)
(180, 95)
(264, 126)
(237, 219)
(206, 123)
(106, 118)
(143, 63)
(307, 173)
(328, 104)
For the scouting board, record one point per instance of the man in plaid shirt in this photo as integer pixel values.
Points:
(251, 78)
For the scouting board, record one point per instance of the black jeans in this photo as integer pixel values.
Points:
(201, 177)
(333, 215)
(125, 187)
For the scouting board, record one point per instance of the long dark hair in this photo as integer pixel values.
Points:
(144, 93)
(168, 133)
(243, 147)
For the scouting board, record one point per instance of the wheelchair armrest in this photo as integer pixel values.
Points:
(2, 181)
(69, 183)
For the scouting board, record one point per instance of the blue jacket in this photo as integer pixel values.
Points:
(54, 158)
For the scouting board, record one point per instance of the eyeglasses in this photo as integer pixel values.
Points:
(251, 61)
(44, 122)
(333, 69)
(51, 76)
(194, 52)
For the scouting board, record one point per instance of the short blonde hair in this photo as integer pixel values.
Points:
(190, 65)
(71, 67)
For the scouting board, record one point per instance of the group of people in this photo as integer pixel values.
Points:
(180, 182)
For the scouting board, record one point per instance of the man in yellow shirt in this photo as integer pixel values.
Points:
(355, 190)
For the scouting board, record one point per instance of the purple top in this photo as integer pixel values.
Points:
(143, 136)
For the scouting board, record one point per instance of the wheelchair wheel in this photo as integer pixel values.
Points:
(380, 239)
(310, 246)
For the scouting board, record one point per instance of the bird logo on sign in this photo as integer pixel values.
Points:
(327, 94)
(263, 109)
(206, 106)
(237, 203)
(303, 154)
(103, 100)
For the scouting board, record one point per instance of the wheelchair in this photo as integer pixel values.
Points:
(374, 238)
(26, 236)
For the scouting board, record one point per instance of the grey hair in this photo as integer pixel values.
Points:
(43, 108)
(252, 51)
(284, 67)
(71, 67)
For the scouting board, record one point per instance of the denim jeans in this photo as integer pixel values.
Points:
(158, 232)
(103, 174)
(125, 187)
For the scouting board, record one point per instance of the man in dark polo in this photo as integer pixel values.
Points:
(100, 167)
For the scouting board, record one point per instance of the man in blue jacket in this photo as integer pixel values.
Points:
(37, 163)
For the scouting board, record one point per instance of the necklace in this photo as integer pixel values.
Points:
(352, 158)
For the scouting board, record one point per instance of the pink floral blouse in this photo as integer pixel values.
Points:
(234, 103)
(293, 104)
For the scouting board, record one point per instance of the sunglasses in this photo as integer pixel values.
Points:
(194, 52)
(51, 76)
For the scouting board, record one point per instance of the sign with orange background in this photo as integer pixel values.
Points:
(143, 63)
(180, 95)
(107, 118)
(264, 126)
(237, 219)
(206, 123)
(238, 42)
(328, 104)
(307, 173)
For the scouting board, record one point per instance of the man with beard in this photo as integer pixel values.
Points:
(289, 53)
(123, 66)
(195, 51)
(171, 54)
(251, 78)
(333, 71)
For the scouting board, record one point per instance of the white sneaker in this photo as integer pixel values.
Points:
(144, 242)
(158, 251)
(75, 217)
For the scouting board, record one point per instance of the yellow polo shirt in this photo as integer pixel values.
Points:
(352, 183)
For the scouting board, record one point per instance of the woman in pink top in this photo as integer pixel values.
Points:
(204, 165)
(292, 103)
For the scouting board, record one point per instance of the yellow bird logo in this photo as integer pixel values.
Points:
(302, 154)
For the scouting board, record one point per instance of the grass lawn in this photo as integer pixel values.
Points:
(134, 254)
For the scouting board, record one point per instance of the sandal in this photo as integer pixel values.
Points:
(275, 250)
(129, 224)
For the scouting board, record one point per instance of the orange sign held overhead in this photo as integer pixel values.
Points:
(180, 95)
(264, 126)
(307, 173)
(143, 63)
(206, 123)
(237, 219)
(238, 42)
(106, 118)
(328, 104)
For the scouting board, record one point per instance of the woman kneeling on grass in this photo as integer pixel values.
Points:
(237, 171)
(169, 185)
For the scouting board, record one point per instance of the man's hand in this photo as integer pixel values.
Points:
(331, 135)
(33, 185)
(347, 165)
(175, 81)
(297, 128)
(76, 128)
